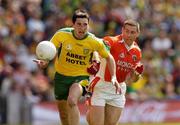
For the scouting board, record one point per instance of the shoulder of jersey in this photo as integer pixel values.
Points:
(91, 35)
(67, 29)
(113, 38)
(135, 45)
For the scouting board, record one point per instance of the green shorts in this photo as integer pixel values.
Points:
(62, 84)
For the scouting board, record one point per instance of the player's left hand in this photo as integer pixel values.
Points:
(94, 68)
(139, 69)
(116, 84)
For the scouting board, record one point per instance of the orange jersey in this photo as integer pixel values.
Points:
(126, 57)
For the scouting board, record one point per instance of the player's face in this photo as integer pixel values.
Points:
(130, 33)
(81, 27)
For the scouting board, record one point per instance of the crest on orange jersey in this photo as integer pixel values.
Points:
(134, 57)
(121, 55)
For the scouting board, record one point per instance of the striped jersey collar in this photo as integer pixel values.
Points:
(128, 47)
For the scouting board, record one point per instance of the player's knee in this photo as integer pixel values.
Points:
(72, 101)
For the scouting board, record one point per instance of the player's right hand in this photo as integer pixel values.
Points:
(116, 84)
(94, 68)
(41, 63)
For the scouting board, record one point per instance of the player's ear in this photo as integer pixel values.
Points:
(122, 28)
(138, 33)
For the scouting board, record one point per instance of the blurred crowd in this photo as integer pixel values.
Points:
(24, 23)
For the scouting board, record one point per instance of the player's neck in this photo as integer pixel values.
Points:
(128, 43)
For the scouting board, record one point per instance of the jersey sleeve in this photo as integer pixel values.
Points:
(56, 39)
(108, 41)
(102, 50)
(138, 52)
(139, 56)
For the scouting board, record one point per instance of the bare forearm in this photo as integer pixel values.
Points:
(131, 78)
(111, 65)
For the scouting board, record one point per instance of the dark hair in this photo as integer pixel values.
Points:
(132, 23)
(80, 13)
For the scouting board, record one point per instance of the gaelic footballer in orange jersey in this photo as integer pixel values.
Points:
(126, 57)
(108, 100)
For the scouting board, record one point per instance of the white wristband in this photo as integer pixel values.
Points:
(113, 79)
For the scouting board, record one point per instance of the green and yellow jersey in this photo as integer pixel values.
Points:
(74, 55)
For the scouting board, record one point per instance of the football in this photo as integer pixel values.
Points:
(45, 50)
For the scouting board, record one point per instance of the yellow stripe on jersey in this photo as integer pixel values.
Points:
(75, 55)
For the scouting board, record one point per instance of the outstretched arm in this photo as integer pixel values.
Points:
(41, 63)
(111, 65)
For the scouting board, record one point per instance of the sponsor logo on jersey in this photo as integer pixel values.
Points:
(124, 64)
(74, 61)
(75, 58)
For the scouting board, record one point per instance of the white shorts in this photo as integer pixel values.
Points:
(105, 93)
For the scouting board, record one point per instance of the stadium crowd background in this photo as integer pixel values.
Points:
(24, 23)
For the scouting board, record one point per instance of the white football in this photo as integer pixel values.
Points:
(45, 50)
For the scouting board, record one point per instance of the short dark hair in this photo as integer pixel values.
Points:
(80, 13)
(132, 23)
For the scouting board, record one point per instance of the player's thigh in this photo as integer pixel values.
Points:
(96, 115)
(62, 85)
(117, 100)
(99, 93)
(112, 114)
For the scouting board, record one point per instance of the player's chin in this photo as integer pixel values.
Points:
(82, 34)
